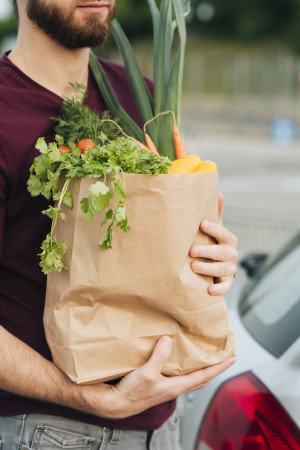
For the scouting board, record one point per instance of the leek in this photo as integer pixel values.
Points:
(167, 75)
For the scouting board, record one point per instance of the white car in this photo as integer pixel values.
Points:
(255, 405)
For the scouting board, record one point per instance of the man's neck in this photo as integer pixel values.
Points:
(48, 63)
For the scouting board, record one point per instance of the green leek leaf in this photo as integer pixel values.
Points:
(110, 98)
(137, 82)
(160, 55)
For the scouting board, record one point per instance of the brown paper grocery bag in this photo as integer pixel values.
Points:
(105, 314)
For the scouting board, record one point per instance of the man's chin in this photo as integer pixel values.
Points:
(73, 30)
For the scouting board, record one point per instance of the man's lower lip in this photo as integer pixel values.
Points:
(94, 9)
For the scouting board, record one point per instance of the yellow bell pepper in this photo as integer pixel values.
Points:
(192, 164)
(187, 164)
(207, 167)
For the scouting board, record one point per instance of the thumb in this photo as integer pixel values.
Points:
(160, 355)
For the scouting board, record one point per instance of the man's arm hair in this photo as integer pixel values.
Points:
(25, 372)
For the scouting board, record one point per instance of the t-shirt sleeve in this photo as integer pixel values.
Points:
(3, 196)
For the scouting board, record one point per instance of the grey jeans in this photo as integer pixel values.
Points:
(43, 432)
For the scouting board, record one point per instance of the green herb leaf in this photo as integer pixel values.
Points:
(119, 191)
(102, 201)
(76, 171)
(106, 241)
(52, 254)
(68, 200)
(62, 216)
(34, 185)
(98, 188)
(42, 164)
(108, 216)
(56, 196)
(87, 206)
(121, 218)
(54, 153)
(59, 139)
(52, 212)
(41, 145)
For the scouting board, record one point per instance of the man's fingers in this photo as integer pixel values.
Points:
(221, 287)
(204, 376)
(219, 232)
(214, 269)
(212, 371)
(160, 356)
(201, 378)
(214, 252)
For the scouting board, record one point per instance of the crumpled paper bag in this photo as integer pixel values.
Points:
(105, 314)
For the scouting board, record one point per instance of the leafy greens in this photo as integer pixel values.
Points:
(113, 154)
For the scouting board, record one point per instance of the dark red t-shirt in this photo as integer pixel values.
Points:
(25, 111)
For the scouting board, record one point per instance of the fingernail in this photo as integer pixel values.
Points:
(193, 252)
(211, 290)
(205, 223)
(166, 340)
(197, 267)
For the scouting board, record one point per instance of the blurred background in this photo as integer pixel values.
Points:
(241, 104)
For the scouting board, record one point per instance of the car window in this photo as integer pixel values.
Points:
(271, 310)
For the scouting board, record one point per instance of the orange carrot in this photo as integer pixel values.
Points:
(179, 146)
(148, 139)
(150, 144)
(178, 143)
(141, 145)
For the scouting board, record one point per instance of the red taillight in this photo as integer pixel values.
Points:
(244, 415)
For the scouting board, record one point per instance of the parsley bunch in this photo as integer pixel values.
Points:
(110, 156)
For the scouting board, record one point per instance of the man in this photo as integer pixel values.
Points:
(39, 406)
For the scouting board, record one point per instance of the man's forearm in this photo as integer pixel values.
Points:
(25, 372)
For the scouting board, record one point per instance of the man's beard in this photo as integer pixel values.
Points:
(61, 25)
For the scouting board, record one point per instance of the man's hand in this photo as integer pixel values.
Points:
(146, 387)
(25, 372)
(222, 256)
